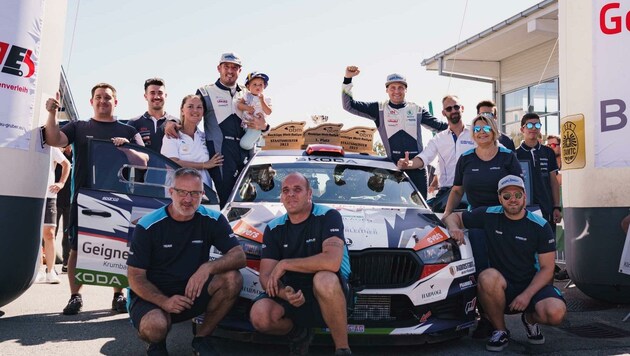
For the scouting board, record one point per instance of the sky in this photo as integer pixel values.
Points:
(304, 47)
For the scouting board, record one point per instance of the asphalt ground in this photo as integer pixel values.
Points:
(33, 325)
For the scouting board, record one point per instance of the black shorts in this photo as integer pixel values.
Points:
(309, 314)
(50, 213)
(139, 307)
(513, 290)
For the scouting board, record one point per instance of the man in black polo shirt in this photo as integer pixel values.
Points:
(149, 124)
(544, 170)
(521, 249)
(170, 276)
(304, 271)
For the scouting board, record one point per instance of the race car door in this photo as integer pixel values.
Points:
(125, 183)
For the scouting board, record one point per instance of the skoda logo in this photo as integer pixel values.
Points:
(348, 241)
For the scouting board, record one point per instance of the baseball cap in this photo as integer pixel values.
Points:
(509, 181)
(260, 75)
(395, 78)
(230, 57)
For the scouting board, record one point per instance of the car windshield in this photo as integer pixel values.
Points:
(331, 184)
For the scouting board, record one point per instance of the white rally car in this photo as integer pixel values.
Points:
(410, 278)
(412, 283)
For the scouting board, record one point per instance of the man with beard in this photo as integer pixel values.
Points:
(149, 124)
(488, 109)
(170, 274)
(398, 121)
(222, 125)
(521, 248)
(447, 145)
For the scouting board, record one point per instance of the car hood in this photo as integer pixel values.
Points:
(364, 226)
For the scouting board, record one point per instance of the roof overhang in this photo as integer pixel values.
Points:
(481, 54)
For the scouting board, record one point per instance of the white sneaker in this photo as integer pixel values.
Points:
(52, 277)
(41, 277)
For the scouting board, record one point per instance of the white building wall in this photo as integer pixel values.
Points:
(525, 68)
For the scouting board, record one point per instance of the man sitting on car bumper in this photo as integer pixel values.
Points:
(304, 271)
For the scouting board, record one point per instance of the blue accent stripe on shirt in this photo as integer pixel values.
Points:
(211, 213)
(280, 220)
(498, 209)
(535, 218)
(319, 210)
(153, 217)
(470, 151)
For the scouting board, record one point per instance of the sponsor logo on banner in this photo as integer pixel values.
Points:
(15, 59)
(610, 36)
(21, 23)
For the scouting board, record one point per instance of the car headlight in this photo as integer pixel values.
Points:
(440, 253)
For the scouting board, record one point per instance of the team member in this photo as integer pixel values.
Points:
(447, 145)
(304, 271)
(521, 248)
(398, 122)
(222, 125)
(63, 210)
(103, 125)
(544, 170)
(189, 150)
(149, 124)
(488, 109)
(169, 273)
(554, 142)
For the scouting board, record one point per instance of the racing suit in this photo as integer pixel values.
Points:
(399, 127)
(223, 132)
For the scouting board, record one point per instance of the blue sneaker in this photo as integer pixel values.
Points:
(498, 341)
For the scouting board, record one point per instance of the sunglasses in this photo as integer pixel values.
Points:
(508, 196)
(531, 125)
(487, 115)
(553, 145)
(485, 128)
(451, 108)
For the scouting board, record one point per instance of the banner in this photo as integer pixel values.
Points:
(20, 38)
(610, 84)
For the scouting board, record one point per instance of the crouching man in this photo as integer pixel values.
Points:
(304, 271)
(169, 273)
(521, 249)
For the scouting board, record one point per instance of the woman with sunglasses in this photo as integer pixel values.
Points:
(479, 170)
(189, 150)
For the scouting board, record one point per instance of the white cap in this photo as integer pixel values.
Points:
(230, 57)
(509, 181)
(395, 78)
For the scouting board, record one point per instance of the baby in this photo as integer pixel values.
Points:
(253, 103)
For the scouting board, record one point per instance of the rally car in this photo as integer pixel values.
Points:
(413, 284)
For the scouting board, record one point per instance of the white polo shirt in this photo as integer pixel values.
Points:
(188, 149)
(447, 149)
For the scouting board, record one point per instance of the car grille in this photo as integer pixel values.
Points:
(384, 268)
(381, 308)
(397, 310)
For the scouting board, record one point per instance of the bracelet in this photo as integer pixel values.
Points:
(267, 128)
(557, 207)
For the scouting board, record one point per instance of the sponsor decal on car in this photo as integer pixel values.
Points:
(434, 236)
(462, 269)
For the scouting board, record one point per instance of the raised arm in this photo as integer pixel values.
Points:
(54, 136)
(367, 110)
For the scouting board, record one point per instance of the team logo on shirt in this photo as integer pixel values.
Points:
(521, 238)
(310, 241)
(222, 101)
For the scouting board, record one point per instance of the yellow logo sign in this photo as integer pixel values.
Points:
(573, 142)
